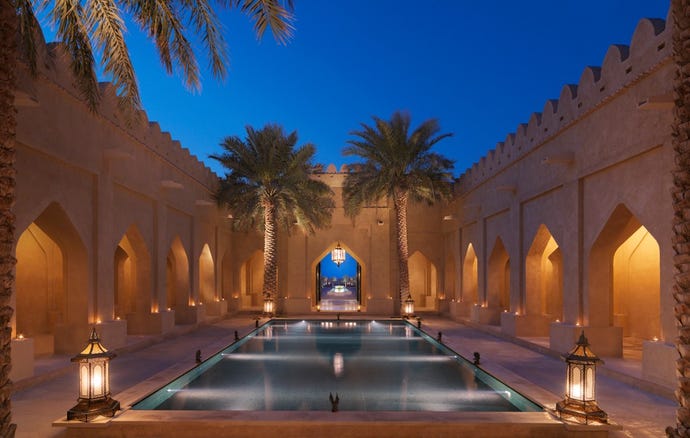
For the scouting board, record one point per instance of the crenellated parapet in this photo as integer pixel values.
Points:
(53, 65)
(622, 67)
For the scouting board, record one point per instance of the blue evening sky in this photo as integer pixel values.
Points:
(480, 67)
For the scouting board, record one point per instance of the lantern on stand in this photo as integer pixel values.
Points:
(580, 401)
(408, 307)
(94, 382)
(338, 255)
(269, 306)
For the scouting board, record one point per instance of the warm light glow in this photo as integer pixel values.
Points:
(338, 364)
(234, 297)
(20, 336)
(97, 381)
(577, 323)
(338, 255)
(169, 309)
(117, 318)
(655, 339)
(98, 321)
(576, 391)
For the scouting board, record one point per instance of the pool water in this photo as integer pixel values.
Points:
(288, 365)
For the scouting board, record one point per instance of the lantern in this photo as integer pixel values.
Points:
(338, 255)
(94, 382)
(408, 307)
(269, 306)
(580, 402)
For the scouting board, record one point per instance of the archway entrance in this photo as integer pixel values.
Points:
(469, 276)
(338, 287)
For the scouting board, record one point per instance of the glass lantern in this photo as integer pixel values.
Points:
(580, 400)
(94, 382)
(408, 307)
(269, 306)
(338, 255)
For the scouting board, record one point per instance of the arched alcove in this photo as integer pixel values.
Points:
(178, 293)
(207, 279)
(132, 275)
(252, 281)
(449, 279)
(544, 276)
(469, 276)
(338, 288)
(51, 286)
(498, 277)
(624, 277)
(423, 281)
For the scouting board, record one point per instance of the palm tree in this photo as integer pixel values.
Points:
(269, 185)
(86, 28)
(680, 13)
(399, 165)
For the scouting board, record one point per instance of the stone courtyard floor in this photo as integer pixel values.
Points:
(525, 365)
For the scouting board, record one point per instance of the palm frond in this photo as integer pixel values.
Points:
(69, 17)
(104, 22)
(27, 32)
(206, 23)
(275, 14)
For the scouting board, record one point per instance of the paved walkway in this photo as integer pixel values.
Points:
(47, 396)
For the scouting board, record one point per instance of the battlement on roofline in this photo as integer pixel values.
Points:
(53, 65)
(622, 66)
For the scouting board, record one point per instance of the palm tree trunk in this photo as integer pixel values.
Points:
(270, 248)
(680, 11)
(8, 123)
(400, 204)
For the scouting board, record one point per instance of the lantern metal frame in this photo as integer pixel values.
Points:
(408, 307)
(94, 382)
(269, 306)
(338, 255)
(580, 402)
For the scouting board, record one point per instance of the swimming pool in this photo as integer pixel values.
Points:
(291, 365)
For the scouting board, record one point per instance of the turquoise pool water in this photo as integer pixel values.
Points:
(288, 365)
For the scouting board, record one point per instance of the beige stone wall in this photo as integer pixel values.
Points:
(588, 172)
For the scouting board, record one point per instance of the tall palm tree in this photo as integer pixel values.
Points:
(269, 185)
(400, 165)
(97, 26)
(680, 13)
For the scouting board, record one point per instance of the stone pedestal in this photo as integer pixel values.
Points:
(460, 309)
(150, 323)
(524, 325)
(113, 334)
(604, 341)
(443, 306)
(658, 363)
(22, 359)
(216, 308)
(485, 315)
(189, 314)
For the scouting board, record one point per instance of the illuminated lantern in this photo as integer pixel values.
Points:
(408, 307)
(580, 401)
(269, 306)
(338, 255)
(94, 382)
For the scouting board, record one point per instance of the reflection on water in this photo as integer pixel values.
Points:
(295, 365)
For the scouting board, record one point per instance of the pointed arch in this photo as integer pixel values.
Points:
(544, 276)
(624, 277)
(469, 276)
(352, 283)
(51, 287)
(132, 275)
(498, 277)
(423, 281)
(178, 292)
(207, 277)
(252, 281)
